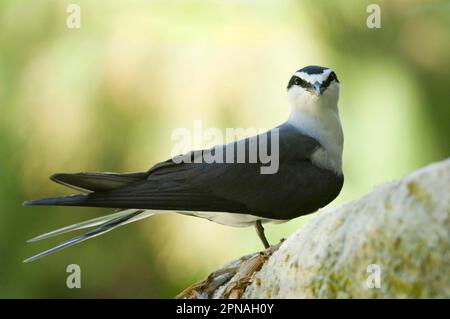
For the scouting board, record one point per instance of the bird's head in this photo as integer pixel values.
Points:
(313, 85)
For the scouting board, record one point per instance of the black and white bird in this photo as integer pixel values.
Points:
(309, 176)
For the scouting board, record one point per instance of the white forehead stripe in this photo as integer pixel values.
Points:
(312, 78)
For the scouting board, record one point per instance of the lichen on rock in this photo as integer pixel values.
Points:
(392, 243)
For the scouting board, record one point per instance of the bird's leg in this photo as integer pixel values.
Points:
(260, 232)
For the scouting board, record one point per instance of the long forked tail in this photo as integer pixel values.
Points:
(89, 183)
(104, 223)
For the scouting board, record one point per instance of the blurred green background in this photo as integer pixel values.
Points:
(107, 96)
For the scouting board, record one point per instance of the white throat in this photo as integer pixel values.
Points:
(318, 117)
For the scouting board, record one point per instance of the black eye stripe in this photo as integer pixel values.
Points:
(332, 77)
(301, 82)
(295, 80)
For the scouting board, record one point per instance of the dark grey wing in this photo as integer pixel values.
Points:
(297, 187)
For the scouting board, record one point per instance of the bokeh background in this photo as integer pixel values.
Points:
(107, 97)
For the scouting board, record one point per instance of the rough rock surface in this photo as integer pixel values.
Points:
(403, 228)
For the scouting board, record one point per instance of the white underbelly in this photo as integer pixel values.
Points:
(233, 219)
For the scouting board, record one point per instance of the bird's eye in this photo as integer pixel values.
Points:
(295, 80)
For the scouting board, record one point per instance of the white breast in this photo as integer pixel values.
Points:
(319, 118)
